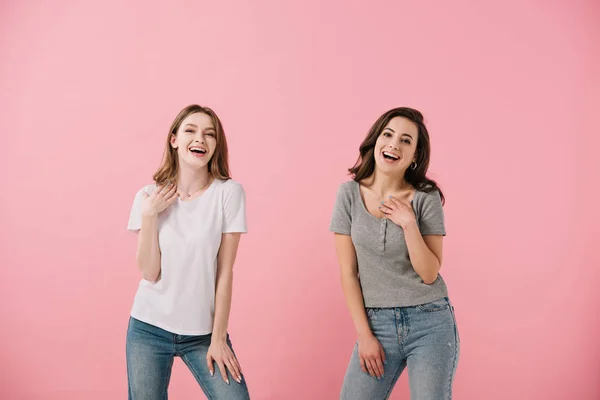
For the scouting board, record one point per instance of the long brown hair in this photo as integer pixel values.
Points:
(219, 163)
(365, 165)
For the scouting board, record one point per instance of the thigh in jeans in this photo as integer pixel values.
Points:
(150, 356)
(432, 349)
(192, 350)
(359, 385)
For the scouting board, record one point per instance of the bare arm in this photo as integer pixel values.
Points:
(350, 284)
(370, 351)
(219, 350)
(148, 253)
(425, 252)
(225, 261)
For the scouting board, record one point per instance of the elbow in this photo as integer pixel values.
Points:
(149, 274)
(347, 278)
(153, 278)
(430, 278)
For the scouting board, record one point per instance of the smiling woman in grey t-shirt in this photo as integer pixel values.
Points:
(389, 227)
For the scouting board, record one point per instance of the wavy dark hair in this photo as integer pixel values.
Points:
(365, 165)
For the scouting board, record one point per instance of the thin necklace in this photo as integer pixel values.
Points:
(193, 193)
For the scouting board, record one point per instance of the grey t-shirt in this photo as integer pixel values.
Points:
(387, 277)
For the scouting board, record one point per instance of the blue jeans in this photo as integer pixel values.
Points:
(150, 354)
(424, 338)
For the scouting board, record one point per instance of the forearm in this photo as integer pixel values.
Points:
(423, 260)
(223, 294)
(354, 300)
(148, 252)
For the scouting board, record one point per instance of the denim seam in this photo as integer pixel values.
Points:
(392, 383)
(208, 393)
(168, 378)
(455, 363)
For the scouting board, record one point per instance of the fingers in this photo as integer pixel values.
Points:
(210, 364)
(171, 195)
(363, 365)
(398, 203)
(167, 190)
(385, 208)
(378, 367)
(234, 368)
(370, 367)
(223, 371)
(160, 190)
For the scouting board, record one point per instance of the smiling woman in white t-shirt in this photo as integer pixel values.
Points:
(189, 224)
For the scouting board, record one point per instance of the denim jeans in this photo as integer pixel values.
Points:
(424, 338)
(150, 353)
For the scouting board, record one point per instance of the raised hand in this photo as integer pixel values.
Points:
(158, 201)
(398, 212)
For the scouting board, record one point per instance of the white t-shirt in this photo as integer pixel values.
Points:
(189, 237)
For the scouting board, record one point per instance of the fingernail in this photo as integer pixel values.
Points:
(382, 202)
(227, 380)
(390, 197)
(212, 373)
(239, 380)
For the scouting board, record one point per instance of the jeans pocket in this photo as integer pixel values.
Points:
(434, 306)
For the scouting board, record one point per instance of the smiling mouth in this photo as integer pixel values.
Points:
(390, 156)
(197, 150)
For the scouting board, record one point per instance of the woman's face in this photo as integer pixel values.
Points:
(195, 141)
(396, 146)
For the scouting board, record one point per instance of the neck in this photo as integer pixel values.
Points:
(190, 180)
(384, 184)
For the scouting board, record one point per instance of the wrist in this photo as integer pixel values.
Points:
(149, 214)
(411, 226)
(218, 337)
(367, 334)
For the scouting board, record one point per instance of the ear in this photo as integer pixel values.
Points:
(173, 141)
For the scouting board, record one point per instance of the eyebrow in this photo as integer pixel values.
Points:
(404, 134)
(196, 126)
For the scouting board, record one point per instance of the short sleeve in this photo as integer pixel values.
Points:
(431, 216)
(341, 221)
(234, 209)
(135, 215)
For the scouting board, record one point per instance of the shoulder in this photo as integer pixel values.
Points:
(347, 188)
(432, 196)
(149, 189)
(229, 186)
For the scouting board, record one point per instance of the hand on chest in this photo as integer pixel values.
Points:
(373, 201)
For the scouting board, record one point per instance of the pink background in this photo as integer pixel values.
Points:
(509, 89)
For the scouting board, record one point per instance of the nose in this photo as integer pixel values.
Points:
(393, 146)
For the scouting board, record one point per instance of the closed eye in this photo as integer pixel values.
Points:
(406, 141)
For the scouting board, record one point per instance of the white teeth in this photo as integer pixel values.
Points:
(198, 149)
(395, 157)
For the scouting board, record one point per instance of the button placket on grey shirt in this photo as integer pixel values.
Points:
(386, 274)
